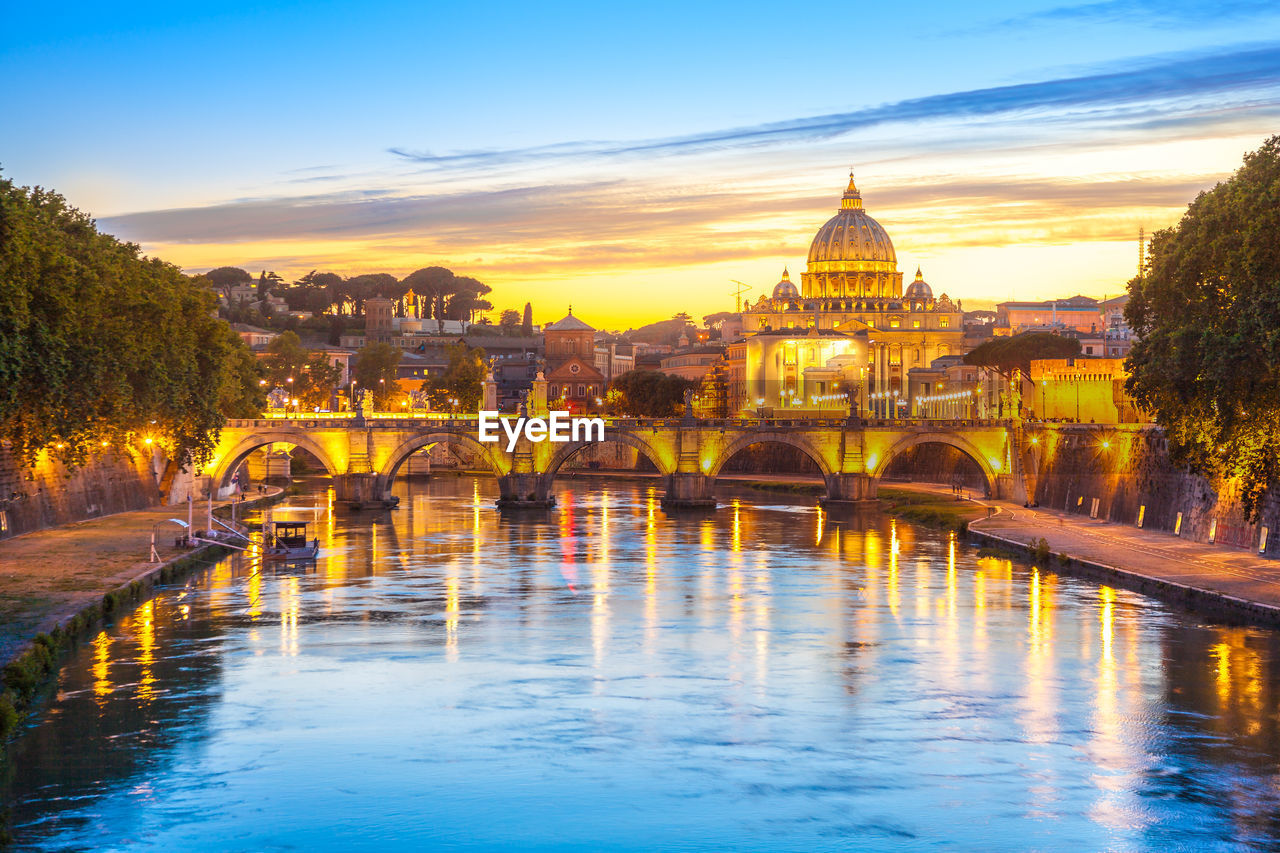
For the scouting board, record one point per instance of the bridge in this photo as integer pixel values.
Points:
(364, 456)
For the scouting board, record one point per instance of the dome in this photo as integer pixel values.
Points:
(784, 289)
(918, 289)
(852, 255)
(852, 237)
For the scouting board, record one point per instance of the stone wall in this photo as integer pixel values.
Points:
(1128, 472)
(49, 494)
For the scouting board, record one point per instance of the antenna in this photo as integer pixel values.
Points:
(737, 292)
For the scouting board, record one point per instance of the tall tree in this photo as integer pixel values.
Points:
(375, 371)
(648, 393)
(509, 320)
(99, 344)
(526, 322)
(462, 380)
(435, 285)
(225, 278)
(308, 376)
(1207, 312)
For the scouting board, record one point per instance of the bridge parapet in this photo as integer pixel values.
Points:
(851, 453)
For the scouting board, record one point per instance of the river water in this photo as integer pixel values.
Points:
(608, 676)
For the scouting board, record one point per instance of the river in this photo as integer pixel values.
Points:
(609, 676)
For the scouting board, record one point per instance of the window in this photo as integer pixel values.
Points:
(582, 390)
(944, 322)
(915, 324)
(895, 323)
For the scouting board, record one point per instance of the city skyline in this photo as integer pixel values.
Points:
(633, 165)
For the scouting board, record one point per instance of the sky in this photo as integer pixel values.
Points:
(634, 160)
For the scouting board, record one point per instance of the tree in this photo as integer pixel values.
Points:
(649, 393)
(467, 299)
(526, 322)
(1009, 356)
(509, 320)
(225, 278)
(99, 344)
(1207, 312)
(309, 377)
(462, 380)
(435, 285)
(375, 371)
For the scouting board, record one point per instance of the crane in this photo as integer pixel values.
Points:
(742, 287)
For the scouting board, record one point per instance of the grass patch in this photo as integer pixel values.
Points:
(930, 509)
(780, 486)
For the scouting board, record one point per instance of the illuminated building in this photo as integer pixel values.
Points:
(571, 374)
(1086, 390)
(850, 333)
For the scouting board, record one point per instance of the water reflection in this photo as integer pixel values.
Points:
(607, 675)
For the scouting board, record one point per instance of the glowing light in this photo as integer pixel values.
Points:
(1035, 441)
(995, 463)
(147, 440)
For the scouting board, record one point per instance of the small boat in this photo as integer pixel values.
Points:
(288, 541)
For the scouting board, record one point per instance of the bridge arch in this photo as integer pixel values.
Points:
(443, 436)
(959, 442)
(566, 451)
(231, 460)
(742, 442)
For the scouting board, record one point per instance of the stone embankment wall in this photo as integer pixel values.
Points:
(49, 494)
(1127, 471)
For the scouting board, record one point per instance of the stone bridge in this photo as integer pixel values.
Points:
(364, 456)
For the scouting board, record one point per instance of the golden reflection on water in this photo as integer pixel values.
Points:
(101, 664)
(290, 599)
(988, 626)
(144, 623)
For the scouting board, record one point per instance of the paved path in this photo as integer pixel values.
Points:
(1144, 554)
(48, 576)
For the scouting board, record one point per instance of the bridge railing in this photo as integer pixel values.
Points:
(330, 420)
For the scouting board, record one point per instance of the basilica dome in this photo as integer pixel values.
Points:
(918, 289)
(786, 289)
(852, 255)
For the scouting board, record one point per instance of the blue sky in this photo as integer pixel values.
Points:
(587, 153)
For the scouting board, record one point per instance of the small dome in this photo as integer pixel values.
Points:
(785, 289)
(918, 289)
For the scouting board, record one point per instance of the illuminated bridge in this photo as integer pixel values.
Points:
(364, 456)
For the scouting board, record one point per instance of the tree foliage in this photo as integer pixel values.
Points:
(462, 380)
(99, 344)
(1010, 355)
(1207, 311)
(649, 393)
(375, 371)
(308, 376)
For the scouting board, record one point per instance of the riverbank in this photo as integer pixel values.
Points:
(1220, 581)
(58, 583)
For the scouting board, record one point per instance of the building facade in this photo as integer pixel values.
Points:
(850, 333)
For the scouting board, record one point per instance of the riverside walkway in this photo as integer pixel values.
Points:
(48, 576)
(1217, 579)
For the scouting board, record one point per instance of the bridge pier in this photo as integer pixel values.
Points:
(526, 490)
(689, 490)
(362, 491)
(849, 489)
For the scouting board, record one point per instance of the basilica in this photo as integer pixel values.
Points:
(847, 337)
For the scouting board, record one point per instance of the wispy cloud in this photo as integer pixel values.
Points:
(1167, 13)
(1256, 69)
